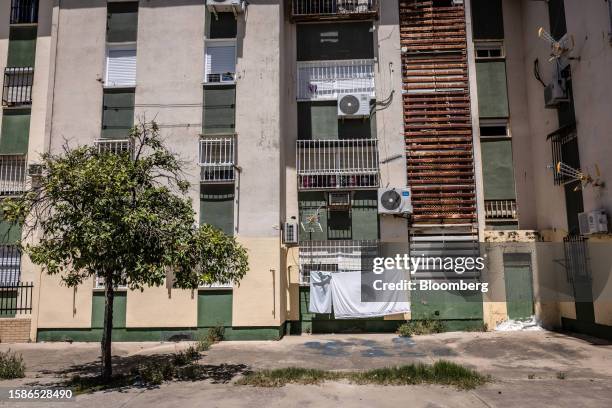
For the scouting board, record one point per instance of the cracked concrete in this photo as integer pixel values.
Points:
(525, 367)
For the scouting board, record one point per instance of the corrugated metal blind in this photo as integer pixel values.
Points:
(220, 58)
(121, 67)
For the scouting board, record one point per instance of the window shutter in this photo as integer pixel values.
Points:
(121, 68)
(220, 59)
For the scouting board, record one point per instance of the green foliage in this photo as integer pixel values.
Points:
(441, 372)
(123, 216)
(185, 357)
(11, 365)
(156, 372)
(420, 327)
(203, 344)
(215, 334)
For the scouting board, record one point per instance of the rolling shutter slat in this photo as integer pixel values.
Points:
(121, 68)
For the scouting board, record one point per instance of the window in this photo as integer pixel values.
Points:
(219, 110)
(217, 206)
(489, 50)
(22, 46)
(117, 113)
(15, 131)
(494, 129)
(223, 25)
(220, 61)
(121, 67)
(24, 11)
(492, 89)
(487, 19)
(122, 22)
(556, 14)
(335, 41)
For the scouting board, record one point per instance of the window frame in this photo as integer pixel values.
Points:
(131, 46)
(489, 45)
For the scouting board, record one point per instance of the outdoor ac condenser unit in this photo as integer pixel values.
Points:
(594, 222)
(221, 6)
(556, 92)
(394, 200)
(354, 105)
(291, 233)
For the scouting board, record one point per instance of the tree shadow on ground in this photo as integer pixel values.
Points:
(85, 377)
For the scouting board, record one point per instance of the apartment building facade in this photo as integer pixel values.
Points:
(292, 115)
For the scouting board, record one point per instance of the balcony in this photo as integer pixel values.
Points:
(327, 80)
(309, 10)
(17, 88)
(500, 210)
(13, 171)
(24, 11)
(337, 164)
(334, 256)
(115, 146)
(218, 159)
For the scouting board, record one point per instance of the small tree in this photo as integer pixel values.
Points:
(123, 217)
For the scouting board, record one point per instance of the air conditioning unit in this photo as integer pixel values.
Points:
(291, 233)
(339, 200)
(222, 6)
(556, 92)
(394, 200)
(594, 222)
(354, 105)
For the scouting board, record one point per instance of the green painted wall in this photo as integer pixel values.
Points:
(358, 223)
(119, 309)
(22, 46)
(353, 40)
(117, 113)
(498, 170)
(160, 334)
(122, 22)
(215, 308)
(519, 291)
(217, 206)
(492, 89)
(219, 113)
(319, 121)
(447, 305)
(9, 234)
(308, 203)
(15, 131)
(364, 211)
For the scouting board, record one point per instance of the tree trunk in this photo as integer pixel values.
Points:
(106, 345)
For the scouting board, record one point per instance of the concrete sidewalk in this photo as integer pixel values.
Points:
(526, 367)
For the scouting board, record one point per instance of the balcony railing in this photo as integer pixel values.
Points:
(115, 146)
(218, 159)
(13, 171)
(327, 80)
(333, 164)
(17, 88)
(500, 209)
(335, 256)
(333, 9)
(24, 11)
(16, 298)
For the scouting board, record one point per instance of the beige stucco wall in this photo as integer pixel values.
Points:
(519, 114)
(257, 301)
(161, 307)
(63, 307)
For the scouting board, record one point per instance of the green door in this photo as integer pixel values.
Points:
(519, 286)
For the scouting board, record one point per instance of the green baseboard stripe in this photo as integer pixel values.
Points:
(592, 329)
(323, 326)
(160, 334)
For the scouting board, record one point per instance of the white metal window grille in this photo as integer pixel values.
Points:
(218, 159)
(13, 171)
(17, 89)
(327, 80)
(99, 284)
(489, 50)
(331, 164)
(10, 265)
(121, 67)
(220, 61)
(113, 145)
(305, 8)
(500, 209)
(335, 256)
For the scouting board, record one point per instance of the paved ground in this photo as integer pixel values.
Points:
(525, 366)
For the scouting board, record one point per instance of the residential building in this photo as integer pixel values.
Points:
(292, 116)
